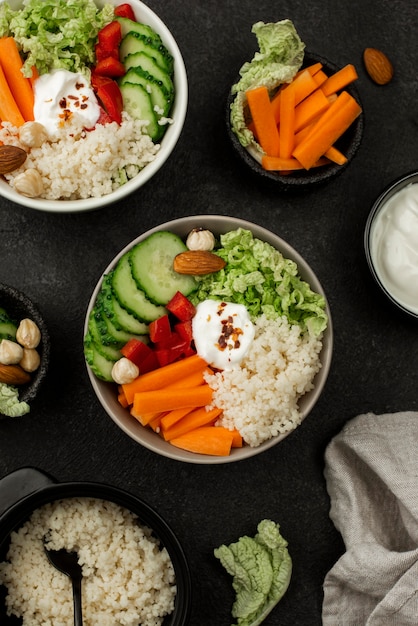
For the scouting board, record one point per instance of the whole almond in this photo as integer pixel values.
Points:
(11, 158)
(13, 375)
(197, 262)
(378, 66)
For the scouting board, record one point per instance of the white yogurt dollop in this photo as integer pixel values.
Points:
(63, 98)
(394, 246)
(222, 333)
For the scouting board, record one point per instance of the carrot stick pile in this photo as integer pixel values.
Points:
(16, 91)
(298, 127)
(175, 401)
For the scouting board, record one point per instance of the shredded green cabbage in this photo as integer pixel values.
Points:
(9, 402)
(280, 56)
(261, 278)
(261, 568)
(55, 34)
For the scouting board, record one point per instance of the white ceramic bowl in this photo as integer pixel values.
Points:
(106, 392)
(178, 113)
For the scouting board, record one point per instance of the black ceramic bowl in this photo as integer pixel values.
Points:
(391, 243)
(349, 143)
(18, 307)
(27, 489)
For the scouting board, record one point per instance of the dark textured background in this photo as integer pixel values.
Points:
(57, 260)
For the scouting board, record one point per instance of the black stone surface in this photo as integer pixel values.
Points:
(57, 260)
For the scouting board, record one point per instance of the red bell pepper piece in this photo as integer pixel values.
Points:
(111, 98)
(102, 53)
(141, 354)
(168, 353)
(111, 67)
(185, 330)
(181, 307)
(160, 329)
(104, 118)
(110, 36)
(125, 10)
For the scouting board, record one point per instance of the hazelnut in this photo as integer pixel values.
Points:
(29, 183)
(199, 239)
(30, 360)
(33, 134)
(10, 352)
(124, 371)
(28, 334)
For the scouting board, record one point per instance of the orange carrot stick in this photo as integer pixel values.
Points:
(303, 84)
(168, 399)
(171, 417)
(163, 376)
(325, 133)
(237, 441)
(283, 165)
(194, 419)
(20, 86)
(339, 79)
(307, 110)
(335, 155)
(9, 111)
(314, 68)
(287, 122)
(213, 440)
(263, 119)
(320, 78)
(192, 380)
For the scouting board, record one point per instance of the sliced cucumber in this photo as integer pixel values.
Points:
(8, 330)
(152, 267)
(108, 351)
(137, 102)
(147, 63)
(135, 42)
(118, 337)
(130, 297)
(161, 98)
(120, 317)
(129, 26)
(100, 366)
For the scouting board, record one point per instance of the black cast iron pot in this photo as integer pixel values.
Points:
(28, 488)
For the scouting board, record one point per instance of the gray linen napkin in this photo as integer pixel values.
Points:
(371, 471)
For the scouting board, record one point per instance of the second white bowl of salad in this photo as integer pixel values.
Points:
(208, 339)
(96, 99)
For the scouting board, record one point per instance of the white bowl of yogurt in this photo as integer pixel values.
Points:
(391, 243)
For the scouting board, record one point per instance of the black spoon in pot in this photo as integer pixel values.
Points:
(67, 563)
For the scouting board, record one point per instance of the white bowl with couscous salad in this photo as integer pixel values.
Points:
(208, 339)
(92, 116)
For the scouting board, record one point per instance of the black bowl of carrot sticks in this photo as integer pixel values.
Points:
(314, 128)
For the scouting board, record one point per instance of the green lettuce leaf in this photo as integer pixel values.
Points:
(261, 568)
(262, 279)
(9, 402)
(55, 34)
(280, 56)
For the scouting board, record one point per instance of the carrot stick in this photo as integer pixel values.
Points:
(339, 101)
(9, 111)
(171, 417)
(169, 399)
(287, 122)
(279, 164)
(155, 423)
(144, 418)
(339, 79)
(192, 380)
(314, 68)
(307, 110)
(237, 441)
(303, 84)
(163, 376)
(213, 440)
(263, 119)
(333, 154)
(320, 78)
(325, 133)
(194, 419)
(122, 400)
(20, 86)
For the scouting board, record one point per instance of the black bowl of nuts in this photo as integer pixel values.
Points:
(24, 351)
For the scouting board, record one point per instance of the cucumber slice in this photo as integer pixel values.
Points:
(129, 296)
(152, 267)
(137, 102)
(121, 319)
(100, 366)
(161, 99)
(109, 352)
(129, 26)
(147, 63)
(135, 42)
